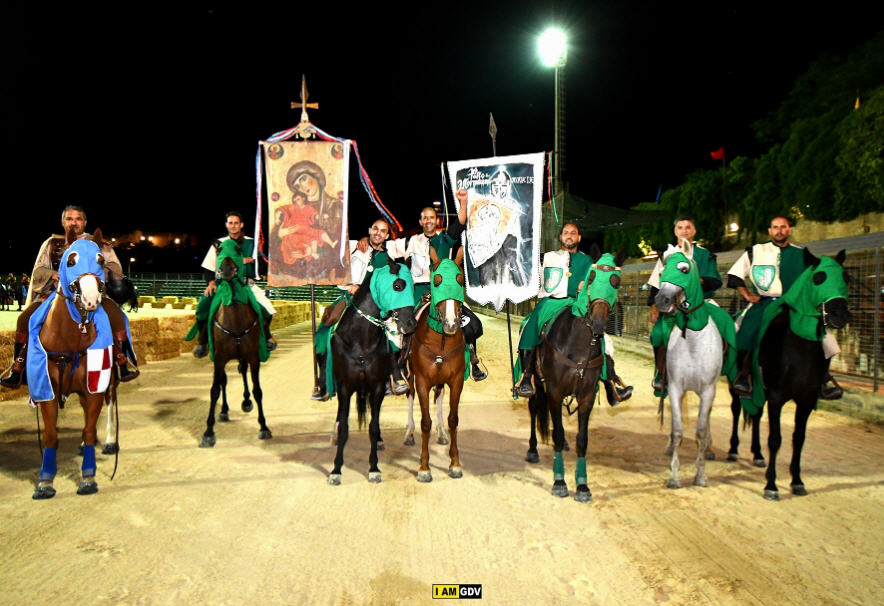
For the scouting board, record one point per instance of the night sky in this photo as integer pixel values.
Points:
(150, 117)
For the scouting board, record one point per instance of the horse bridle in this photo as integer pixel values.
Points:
(77, 299)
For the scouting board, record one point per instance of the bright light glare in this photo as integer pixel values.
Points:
(734, 227)
(553, 47)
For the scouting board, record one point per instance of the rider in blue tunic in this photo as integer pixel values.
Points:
(44, 280)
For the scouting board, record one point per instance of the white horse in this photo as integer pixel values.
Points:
(693, 357)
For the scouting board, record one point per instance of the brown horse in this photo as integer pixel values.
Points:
(236, 334)
(437, 355)
(65, 342)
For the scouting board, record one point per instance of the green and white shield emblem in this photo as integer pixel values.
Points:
(552, 277)
(763, 276)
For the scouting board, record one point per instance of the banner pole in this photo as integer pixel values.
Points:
(313, 324)
(492, 130)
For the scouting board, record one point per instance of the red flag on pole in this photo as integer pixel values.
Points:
(718, 154)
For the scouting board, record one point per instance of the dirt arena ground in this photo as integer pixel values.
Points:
(255, 522)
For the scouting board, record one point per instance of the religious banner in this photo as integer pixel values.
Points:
(307, 191)
(502, 237)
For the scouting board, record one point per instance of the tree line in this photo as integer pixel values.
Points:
(824, 160)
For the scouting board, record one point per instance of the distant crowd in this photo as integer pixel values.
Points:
(13, 291)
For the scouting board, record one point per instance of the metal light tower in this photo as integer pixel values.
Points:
(553, 48)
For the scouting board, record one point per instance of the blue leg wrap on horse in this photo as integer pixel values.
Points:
(88, 461)
(558, 467)
(580, 474)
(49, 469)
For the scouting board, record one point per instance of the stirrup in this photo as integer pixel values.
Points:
(13, 381)
(319, 394)
(743, 388)
(477, 373)
(397, 388)
(833, 392)
(200, 351)
(525, 389)
(127, 375)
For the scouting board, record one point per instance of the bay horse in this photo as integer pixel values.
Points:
(792, 362)
(437, 358)
(570, 360)
(694, 351)
(236, 334)
(361, 360)
(71, 352)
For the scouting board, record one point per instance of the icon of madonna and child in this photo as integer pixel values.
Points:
(306, 233)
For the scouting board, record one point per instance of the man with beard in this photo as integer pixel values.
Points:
(564, 271)
(44, 279)
(772, 268)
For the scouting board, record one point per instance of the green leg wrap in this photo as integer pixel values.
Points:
(558, 467)
(580, 474)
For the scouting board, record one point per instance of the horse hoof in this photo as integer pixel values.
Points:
(798, 490)
(583, 495)
(441, 440)
(87, 487)
(380, 445)
(409, 441)
(758, 462)
(424, 476)
(670, 483)
(223, 417)
(43, 492)
(247, 406)
(731, 456)
(532, 457)
(334, 479)
(771, 495)
(559, 489)
(710, 456)
(207, 442)
(455, 472)
(110, 449)
(698, 481)
(264, 434)
(374, 477)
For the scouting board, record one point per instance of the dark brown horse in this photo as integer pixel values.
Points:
(570, 359)
(67, 332)
(236, 335)
(437, 356)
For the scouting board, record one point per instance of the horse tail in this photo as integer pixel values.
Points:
(541, 412)
(361, 401)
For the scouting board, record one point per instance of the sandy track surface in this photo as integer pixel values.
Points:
(253, 521)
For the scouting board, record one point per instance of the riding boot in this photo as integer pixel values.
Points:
(659, 365)
(398, 384)
(320, 393)
(271, 343)
(743, 382)
(122, 347)
(17, 375)
(475, 372)
(202, 348)
(615, 394)
(830, 392)
(525, 388)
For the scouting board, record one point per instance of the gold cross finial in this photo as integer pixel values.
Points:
(303, 104)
